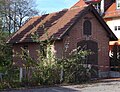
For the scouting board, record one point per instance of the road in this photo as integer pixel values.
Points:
(96, 87)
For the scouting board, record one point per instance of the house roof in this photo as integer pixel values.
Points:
(80, 3)
(57, 25)
(112, 11)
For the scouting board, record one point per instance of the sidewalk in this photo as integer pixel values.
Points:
(109, 80)
(102, 85)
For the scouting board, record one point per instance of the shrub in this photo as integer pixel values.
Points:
(74, 67)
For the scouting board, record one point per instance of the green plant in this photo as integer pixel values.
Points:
(75, 68)
(48, 70)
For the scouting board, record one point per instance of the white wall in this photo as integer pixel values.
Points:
(112, 23)
(102, 6)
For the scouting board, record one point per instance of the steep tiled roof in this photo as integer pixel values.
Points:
(112, 11)
(34, 26)
(57, 25)
(80, 3)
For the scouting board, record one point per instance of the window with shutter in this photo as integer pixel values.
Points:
(87, 27)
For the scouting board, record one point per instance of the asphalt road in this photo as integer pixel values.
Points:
(96, 87)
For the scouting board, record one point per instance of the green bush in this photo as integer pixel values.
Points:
(48, 70)
(75, 68)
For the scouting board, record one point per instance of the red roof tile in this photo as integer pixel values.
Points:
(57, 24)
(80, 3)
(112, 11)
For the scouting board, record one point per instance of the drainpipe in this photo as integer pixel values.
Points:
(102, 7)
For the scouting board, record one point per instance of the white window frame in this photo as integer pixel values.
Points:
(117, 4)
(117, 28)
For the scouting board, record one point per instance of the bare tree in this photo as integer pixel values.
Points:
(16, 12)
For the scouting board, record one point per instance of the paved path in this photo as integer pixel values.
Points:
(96, 87)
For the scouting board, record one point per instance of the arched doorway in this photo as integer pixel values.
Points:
(91, 59)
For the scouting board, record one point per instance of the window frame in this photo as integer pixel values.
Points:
(87, 30)
(115, 28)
(119, 28)
(117, 4)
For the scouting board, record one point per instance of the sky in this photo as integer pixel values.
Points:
(49, 6)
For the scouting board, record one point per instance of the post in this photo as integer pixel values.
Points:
(61, 75)
(21, 74)
(1, 74)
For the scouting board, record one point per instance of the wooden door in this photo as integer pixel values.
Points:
(91, 59)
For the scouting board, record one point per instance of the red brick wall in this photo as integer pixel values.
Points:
(99, 35)
(17, 49)
(59, 48)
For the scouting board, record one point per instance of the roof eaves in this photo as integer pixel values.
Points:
(83, 12)
(105, 17)
(102, 22)
(91, 8)
(17, 32)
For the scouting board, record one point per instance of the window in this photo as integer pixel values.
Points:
(118, 27)
(87, 27)
(97, 7)
(118, 4)
(115, 28)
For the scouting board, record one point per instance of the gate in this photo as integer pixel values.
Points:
(91, 59)
(115, 58)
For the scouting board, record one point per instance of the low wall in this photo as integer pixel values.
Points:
(114, 74)
(109, 74)
(104, 74)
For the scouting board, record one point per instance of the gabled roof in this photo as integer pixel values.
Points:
(57, 25)
(80, 3)
(112, 11)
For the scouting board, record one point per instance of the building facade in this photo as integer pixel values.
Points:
(69, 29)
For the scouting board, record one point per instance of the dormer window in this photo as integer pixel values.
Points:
(118, 4)
(87, 27)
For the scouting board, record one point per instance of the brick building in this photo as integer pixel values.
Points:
(112, 18)
(81, 26)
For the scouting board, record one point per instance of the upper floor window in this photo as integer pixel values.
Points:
(87, 27)
(98, 7)
(118, 4)
(117, 28)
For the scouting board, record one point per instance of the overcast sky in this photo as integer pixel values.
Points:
(49, 6)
